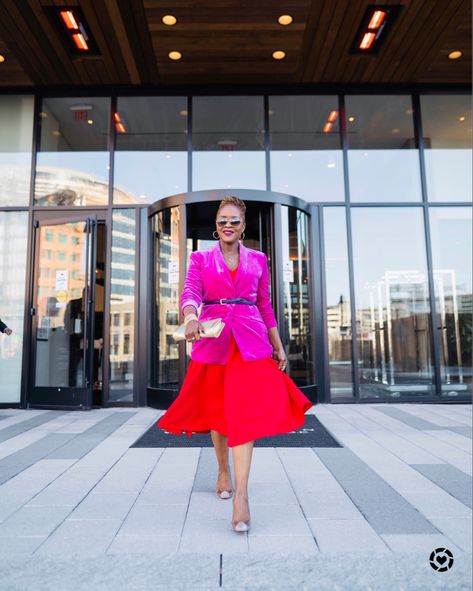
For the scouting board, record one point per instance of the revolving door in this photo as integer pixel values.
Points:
(184, 223)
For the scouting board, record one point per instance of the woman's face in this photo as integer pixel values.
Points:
(230, 233)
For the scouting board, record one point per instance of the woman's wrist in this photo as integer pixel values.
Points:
(189, 317)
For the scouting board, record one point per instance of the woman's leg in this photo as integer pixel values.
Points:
(224, 481)
(241, 465)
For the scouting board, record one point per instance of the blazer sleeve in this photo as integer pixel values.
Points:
(192, 292)
(3, 326)
(263, 301)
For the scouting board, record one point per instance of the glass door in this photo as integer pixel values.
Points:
(63, 312)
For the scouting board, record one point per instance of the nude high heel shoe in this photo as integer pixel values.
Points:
(241, 525)
(224, 494)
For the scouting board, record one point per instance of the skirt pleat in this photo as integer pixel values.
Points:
(244, 400)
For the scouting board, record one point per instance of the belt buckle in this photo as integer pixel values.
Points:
(221, 300)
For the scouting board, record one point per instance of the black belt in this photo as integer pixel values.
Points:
(230, 301)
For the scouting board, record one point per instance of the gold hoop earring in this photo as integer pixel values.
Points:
(242, 236)
(213, 234)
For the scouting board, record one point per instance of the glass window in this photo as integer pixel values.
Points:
(450, 229)
(338, 303)
(383, 161)
(228, 143)
(122, 303)
(392, 303)
(13, 243)
(151, 136)
(306, 155)
(446, 124)
(297, 313)
(72, 163)
(164, 350)
(16, 137)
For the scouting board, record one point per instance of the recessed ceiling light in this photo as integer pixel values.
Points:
(175, 55)
(183, 112)
(270, 112)
(462, 118)
(285, 19)
(56, 132)
(169, 20)
(454, 55)
(395, 130)
(351, 119)
(279, 55)
(2, 58)
(90, 121)
(43, 114)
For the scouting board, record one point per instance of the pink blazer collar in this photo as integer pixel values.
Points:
(222, 265)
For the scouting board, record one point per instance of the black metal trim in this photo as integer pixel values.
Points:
(351, 272)
(435, 336)
(219, 194)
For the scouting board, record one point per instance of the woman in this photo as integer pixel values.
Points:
(233, 387)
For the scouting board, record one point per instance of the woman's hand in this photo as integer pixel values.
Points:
(193, 331)
(280, 357)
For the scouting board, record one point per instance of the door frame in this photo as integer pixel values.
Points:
(277, 200)
(43, 218)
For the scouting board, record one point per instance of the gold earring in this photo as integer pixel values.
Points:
(213, 234)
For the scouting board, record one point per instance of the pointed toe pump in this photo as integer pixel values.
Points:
(225, 494)
(241, 526)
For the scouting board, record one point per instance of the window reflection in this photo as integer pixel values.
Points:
(228, 143)
(392, 302)
(383, 160)
(306, 156)
(61, 309)
(122, 305)
(72, 163)
(446, 123)
(13, 243)
(16, 124)
(165, 352)
(296, 311)
(451, 254)
(338, 303)
(151, 137)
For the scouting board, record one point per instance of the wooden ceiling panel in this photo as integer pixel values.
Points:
(232, 41)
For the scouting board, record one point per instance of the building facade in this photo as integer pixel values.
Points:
(361, 200)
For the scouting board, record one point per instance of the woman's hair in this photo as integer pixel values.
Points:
(233, 201)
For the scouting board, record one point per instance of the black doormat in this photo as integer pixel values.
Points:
(312, 434)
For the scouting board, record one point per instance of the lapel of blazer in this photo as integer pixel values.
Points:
(222, 266)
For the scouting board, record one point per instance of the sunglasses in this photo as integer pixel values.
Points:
(221, 222)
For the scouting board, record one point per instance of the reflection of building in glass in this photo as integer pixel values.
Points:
(167, 292)
(122, 304)
(67, 186)
(393, 332)
(339, 329)
(61, 271)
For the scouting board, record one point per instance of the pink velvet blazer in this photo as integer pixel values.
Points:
(208, 278)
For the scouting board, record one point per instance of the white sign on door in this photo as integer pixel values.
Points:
(173, 272)
(62, 280)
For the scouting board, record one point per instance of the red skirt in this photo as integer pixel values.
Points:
(243, 400)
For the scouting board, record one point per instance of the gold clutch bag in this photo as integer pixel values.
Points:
(212, 328)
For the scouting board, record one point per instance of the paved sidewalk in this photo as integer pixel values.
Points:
(79, 507)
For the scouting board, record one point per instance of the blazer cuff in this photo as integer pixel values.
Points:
(190, 303)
